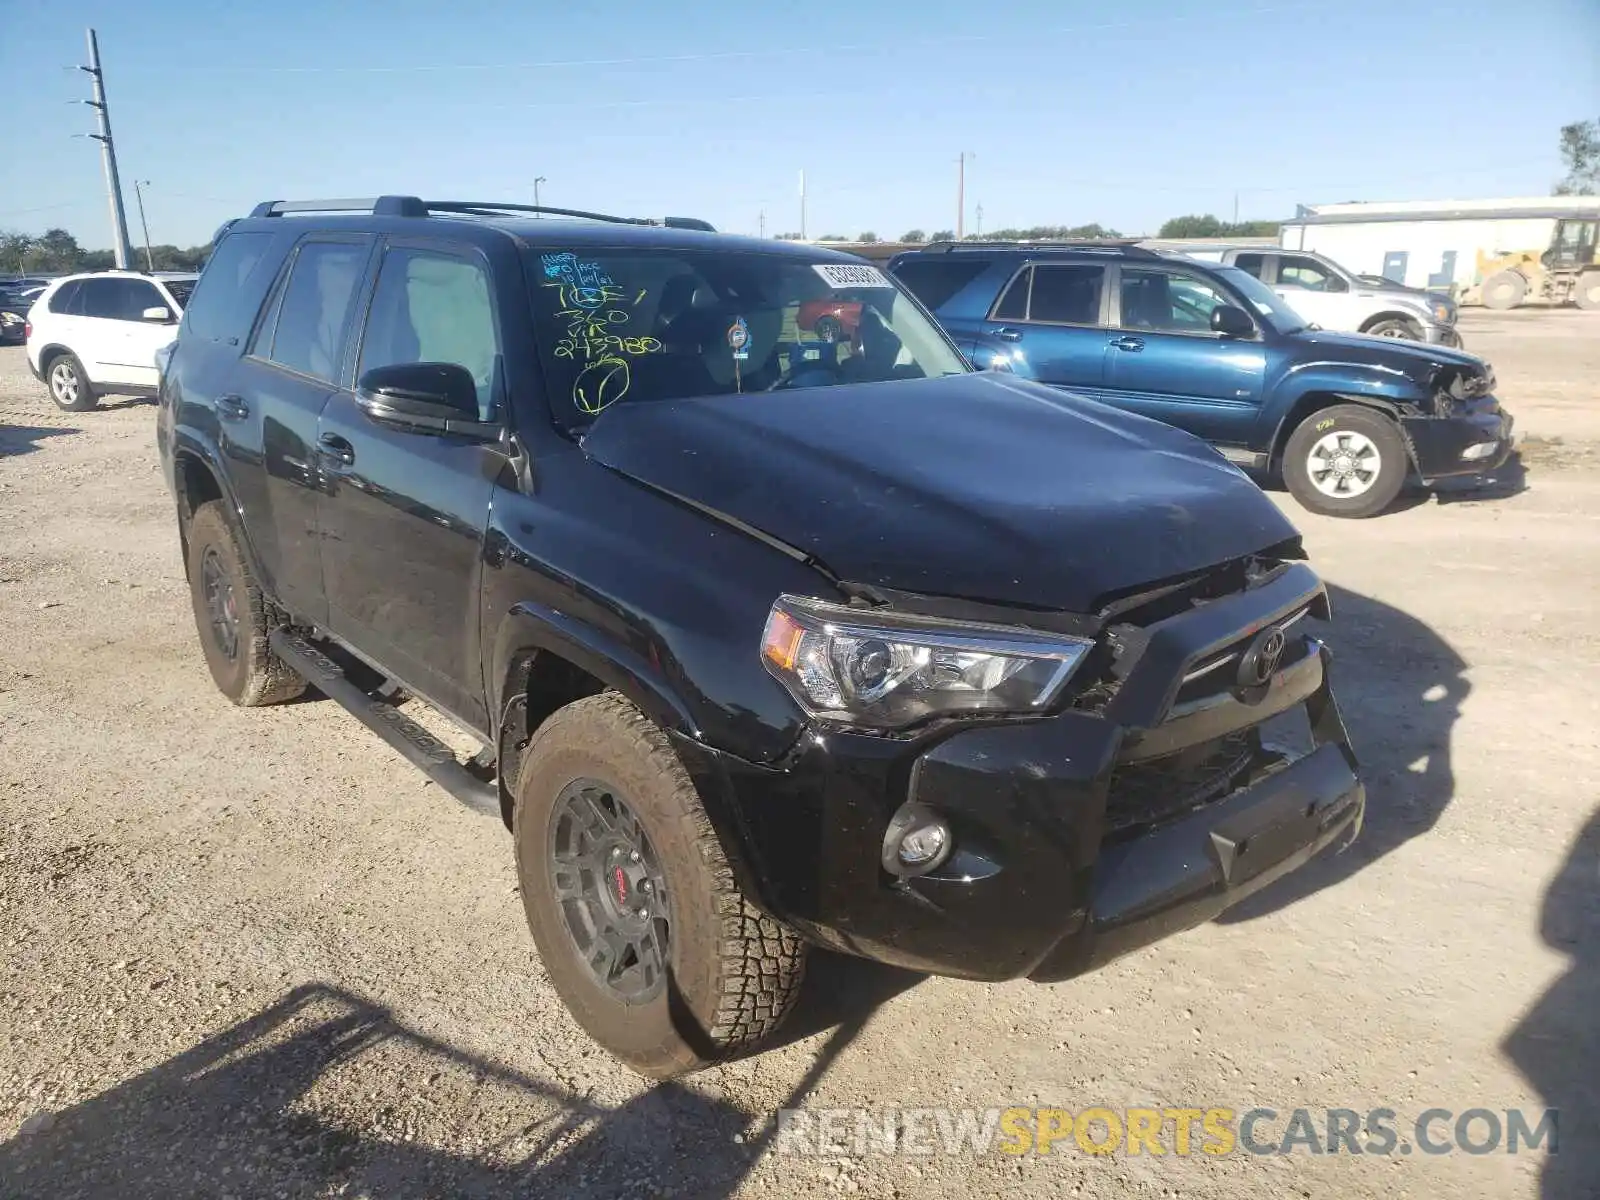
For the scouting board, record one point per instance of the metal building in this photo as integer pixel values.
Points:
(1432, 243)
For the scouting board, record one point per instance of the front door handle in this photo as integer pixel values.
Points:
(331, 445)
(1131, 344)
(231, 408)
(1006, 334)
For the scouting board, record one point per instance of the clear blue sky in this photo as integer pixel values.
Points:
(1077, 110)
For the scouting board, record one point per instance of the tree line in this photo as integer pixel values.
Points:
(1194, 226)
(56, 252)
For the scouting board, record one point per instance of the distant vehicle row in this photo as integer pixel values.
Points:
(1210, 348)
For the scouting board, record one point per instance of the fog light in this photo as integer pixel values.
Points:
(1481, 450)
(917, 841)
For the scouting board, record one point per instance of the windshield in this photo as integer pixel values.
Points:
(632, 326)
(1263, 301)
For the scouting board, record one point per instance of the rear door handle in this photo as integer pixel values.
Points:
(1006, 334)
(1131, 344)
(232, 408)
(331, 445)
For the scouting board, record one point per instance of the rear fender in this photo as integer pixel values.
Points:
(191, 445)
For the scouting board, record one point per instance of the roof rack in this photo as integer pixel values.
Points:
(413, 206)
(1127, 246)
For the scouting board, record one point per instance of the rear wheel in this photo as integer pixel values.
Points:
(631, 901)
(69, 386)
(233, 616)
(1345, 461)
(1587, 290)
(1504, 289)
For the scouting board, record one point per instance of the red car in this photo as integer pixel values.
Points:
(830, 320)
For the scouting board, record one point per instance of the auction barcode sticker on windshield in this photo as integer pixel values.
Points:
(844, 275)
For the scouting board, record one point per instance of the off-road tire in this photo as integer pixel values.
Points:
(1377, 428)
(1586, 290)
(1396, 327)
(733, 972)
(253, 675)
(1503, 290)
(69, 385)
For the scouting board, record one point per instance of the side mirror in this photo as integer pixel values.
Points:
(1231, 321)
(158, 313)
(424, 398)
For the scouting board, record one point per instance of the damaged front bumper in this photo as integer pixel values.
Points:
(1077, 837)
(1477, 436)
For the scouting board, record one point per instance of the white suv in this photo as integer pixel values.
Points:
(97, 333)
(1324, 293)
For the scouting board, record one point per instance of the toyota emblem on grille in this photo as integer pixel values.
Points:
(1260, 662)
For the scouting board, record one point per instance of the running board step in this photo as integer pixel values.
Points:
(436, 760)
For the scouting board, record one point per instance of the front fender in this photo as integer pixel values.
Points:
(1378, 386)
(533, 626)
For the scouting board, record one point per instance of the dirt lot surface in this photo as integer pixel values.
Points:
(252, 953)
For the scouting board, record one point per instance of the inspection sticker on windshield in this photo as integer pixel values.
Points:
(843, 275)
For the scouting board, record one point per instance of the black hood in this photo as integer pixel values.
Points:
(978, 486)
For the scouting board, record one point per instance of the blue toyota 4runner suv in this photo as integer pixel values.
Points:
(768, 638)
(1344, 419)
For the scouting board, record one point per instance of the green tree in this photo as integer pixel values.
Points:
(1580, 154)
(943, 235)
(867, 236)
(1192, 227)
(13, 249)
(833, 237)
(53, 250)
(96, 260)
(913, 236)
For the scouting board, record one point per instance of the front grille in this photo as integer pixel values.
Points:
(1149, 793)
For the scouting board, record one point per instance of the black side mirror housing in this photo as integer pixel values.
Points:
(424, 397)
(1232, 321)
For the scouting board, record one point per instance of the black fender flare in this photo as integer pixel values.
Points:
(1391, 408)
(189, 443)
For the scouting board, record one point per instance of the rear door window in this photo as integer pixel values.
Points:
(315, 307)
(68, 298)
(221, 307)
(935, 278)
(1066, 294)
(1256, 264)
(1013, 305)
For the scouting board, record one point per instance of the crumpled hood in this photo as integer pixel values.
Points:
(979, 485)
(1415, 358)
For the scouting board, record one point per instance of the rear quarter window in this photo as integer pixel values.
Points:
(65, 298)
(935, 280)
(228, 295)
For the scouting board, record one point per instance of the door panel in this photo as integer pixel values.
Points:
(1316, 294)
(402, 512)
(1163, 361)
(402, 550)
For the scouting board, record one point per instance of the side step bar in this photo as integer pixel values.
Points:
(436, 760)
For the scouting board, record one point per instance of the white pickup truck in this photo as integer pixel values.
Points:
(1326, 294)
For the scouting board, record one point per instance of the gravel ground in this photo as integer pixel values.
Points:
(252, 953)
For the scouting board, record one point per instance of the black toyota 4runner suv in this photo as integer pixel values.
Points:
(773, 629)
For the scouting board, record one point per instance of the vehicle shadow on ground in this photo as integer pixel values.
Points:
(282, 1104)
(24, 439)
(1556, 1045)
(1400, 688)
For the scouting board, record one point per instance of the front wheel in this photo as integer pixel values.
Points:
(1345, 461)
(1397, 327)
(1504, 289)
(69, 386)
(640, 924)
(1586, 292)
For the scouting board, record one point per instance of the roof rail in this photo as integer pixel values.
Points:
(413, 206)
(1128, 246)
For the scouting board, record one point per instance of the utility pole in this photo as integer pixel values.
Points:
(538, 179)
(149, 259)
(761, 224)
(978, 212)
(108, 154)
(961, 193)
(802, 204)
(1236, 208)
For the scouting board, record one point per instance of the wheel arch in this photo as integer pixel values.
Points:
(198, 479)
(543, 660)
(1390, 314)
(51, 352)
(1318, 399)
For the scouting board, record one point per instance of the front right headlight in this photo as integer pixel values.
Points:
(889, 670)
